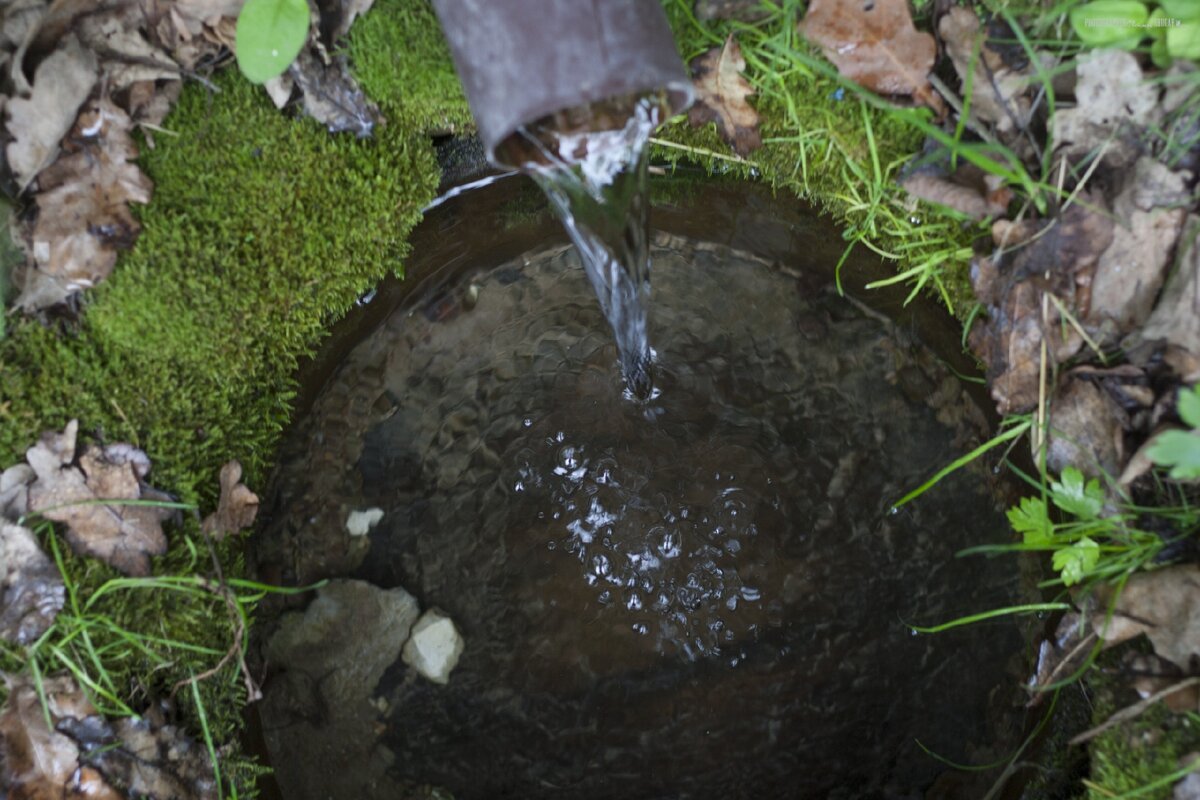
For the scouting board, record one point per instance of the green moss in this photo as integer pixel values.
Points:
(401, 59)
(262, 230)
(1139, 752)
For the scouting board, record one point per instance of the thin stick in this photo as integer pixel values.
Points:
(1135, 710)
(702, 151)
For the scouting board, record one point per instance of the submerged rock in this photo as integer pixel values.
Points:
(434, 647)
(327, 662)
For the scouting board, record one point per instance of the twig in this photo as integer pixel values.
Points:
(1062, 664)
(1074, 323)
(1135, 710)
(970, 120)
(703, 151)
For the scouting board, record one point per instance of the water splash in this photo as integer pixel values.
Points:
(596, 183)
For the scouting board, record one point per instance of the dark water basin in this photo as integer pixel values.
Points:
(703, 596)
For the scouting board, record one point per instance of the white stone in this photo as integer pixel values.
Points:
(359, 522)
(434, 646)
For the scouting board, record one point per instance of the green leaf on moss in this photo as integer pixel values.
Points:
(1075, 561)
(1110, 23)
(1031, 520)
(270, 34)
(1074, 497)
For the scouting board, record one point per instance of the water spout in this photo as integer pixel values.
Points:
(570, 93)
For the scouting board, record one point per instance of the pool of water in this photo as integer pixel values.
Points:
(703, 595)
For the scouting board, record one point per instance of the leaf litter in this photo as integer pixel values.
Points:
(721, 97)
(83, 76)
(55, 744)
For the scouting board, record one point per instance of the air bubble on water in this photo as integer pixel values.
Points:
(640, 628)
(750, 593)
(527, 422)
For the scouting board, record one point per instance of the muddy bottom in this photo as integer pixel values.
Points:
(700, 596)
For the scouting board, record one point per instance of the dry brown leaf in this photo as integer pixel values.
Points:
(1175, 321)
(41, 763)
(38, 123)
(977, 200)
(347, 12)
(1061, 261)
(721, 93)
(237, 507)
(1113, 103)
(122, 535)
(1164, 605)
(875, 45)
(998, 91)
(1150, 211)
(1085, 429)
(126, 57)
(32, 588)
(14, 491)
(332, 96)
(83, 210)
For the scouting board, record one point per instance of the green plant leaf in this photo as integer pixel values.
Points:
(1183, 41)
(1180, 9)
(1031, 521)
(1110, 23)
(1075, 561)
(1072, 496)
(1180, 451)
(270, 34)
(1189, 406)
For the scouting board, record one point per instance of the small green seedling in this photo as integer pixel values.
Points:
(1174, 26)
(270, 34)
(1180, 450)
(1072, 495)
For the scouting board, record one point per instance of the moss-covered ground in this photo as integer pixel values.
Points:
(264, 229)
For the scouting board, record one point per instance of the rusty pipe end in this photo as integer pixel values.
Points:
(522, 62)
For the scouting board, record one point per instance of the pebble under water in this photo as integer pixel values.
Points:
(700, 596)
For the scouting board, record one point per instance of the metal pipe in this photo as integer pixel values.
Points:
(522, 61)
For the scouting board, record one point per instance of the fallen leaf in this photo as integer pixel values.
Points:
(998, 89)
(1149, 214)
(122, 535)
(968, 190)
(61, 83)
(1058, 259)
(1174, 325)
(1113, 103)
(237, 507)
(39, 761)
(31, 586)
(126, 56)
(14, 491)
(1086, 430)
(875, 45)
(1164, 605)
(721, 93)
(144, 757)
(346, 12)
(332, 96)
(83, 210)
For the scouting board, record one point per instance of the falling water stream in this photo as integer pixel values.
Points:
(596, 183)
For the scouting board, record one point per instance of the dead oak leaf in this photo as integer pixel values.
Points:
(31, 586)
(83, 210)
(875, 45)
(1164, 605)
(124, 536)
(37, 123)
(39, 760)
(721, 92)
(998, 95)
(237, 507)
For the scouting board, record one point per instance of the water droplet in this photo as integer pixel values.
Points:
(527, 422)
(640, 628)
